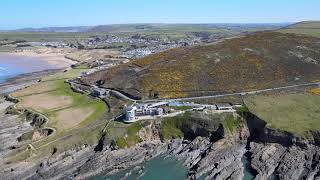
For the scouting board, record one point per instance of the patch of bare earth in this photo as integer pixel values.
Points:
(36, 136)
(71, 117)
(45, 102)
(36, 89)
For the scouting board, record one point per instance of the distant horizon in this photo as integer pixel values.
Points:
(133, 23)
(17, 14)
(70, 26)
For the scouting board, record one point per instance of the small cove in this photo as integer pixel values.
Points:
(158, 168)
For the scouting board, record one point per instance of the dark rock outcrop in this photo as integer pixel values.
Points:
(214, 154)
(219, 159)
(288, 163)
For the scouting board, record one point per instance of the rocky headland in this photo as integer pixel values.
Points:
(216, 155)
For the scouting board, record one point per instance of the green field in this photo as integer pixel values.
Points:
(54, 86)
(294, 113)
(309, 32)
(44, 36)
(192, 124)
(171, 31)
(310, 28)
(78, 101)
(78, 121)
(181, 108)
(131, 136)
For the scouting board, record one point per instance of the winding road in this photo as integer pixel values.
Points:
(206, 97)
(239, 93)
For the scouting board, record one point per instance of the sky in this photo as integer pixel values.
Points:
(46, 13)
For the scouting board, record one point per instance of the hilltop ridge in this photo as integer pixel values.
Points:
(257, 61)
(149, 27)
(310, 28)
(304, 25)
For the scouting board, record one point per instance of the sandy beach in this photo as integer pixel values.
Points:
(54, 58)
(28, 66)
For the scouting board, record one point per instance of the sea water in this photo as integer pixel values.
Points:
(158, 168)
(248, 175)
(162, 167)
(11, 66)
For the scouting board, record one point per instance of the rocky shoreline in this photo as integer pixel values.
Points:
(11, 127)
(218, 159)
(272, 154)
(23, 81)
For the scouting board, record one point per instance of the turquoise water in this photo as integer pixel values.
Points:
(248, 175)
(159, 168)
(247, 171)
(11, 66)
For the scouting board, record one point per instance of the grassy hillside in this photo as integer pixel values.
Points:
(76, 118)
(153, 27)
(311, 28)
(55, 99)
(44, 36)
(257, 61)
(152, 30)
(295, 113)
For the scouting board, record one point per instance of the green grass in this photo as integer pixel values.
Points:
(181, 108)
(89, 130)
(64, 75)
(171, 31)
(72, 139)
(309, 32)
(193, 124)
(243, 111)
(7, 48)
(310, 28)
(78, 100)
(134, 128)
(171, 127)
(116, 129)
(294, 113)
(45, 36)
(26, 136)
(131, 137)
(231, 123)
(132, 132)
(122, 143)
(63, 89)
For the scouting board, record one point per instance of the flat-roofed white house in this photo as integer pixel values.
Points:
(143, 111)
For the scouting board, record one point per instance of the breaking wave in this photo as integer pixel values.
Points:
(3, 69)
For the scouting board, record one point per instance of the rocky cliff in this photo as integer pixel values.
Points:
(216, 154)
(280, 154)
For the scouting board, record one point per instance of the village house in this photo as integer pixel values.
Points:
(139, 111)
(146, 111)
(224, 106)
(98, 92)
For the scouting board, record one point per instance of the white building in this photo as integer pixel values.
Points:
(224, 106)
(131, 114)
(143, 111)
